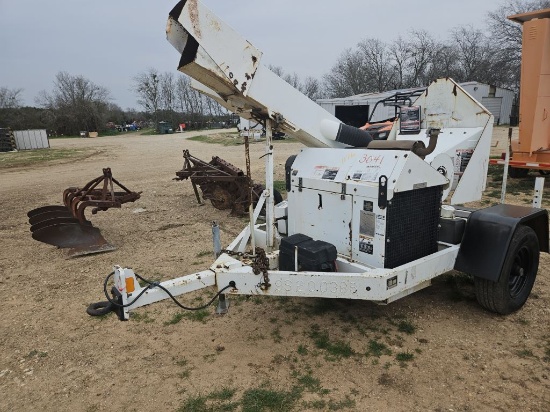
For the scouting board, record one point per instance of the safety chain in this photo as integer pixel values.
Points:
(260, 264)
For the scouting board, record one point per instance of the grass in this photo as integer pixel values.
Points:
(141, 317)
(267, 398)
(309, 383)
(377, 349)
(337, 349)
(515, 187)
(148, 132)
(186, 371)
(205, 253)
(280, 186)
(343, 404)
(406, 327)
(217, 401)
(404, 356)
(225, 139)
(195, 316)
(36, 353)
(40, 156)
(260, 399)
(302, 350)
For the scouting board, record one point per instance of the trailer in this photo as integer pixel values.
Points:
(364, 219)
(532, 149)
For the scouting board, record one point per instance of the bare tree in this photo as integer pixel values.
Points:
(445, 63)
(148, 89)
(167, 91)
(400, 53)
(188, 100)
(10, 98)
(422, 46)
(278, 70)
(293, 80)
(508, 34)
(377, 60)
(312, 88)
(348, 76)
(473, 51)
(75, 103)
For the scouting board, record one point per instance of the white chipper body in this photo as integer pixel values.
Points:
(364, 219)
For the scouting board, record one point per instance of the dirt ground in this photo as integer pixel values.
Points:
(436, 350)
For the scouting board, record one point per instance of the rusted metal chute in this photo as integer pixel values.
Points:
(67, 227)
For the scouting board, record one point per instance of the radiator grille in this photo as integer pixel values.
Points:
(412, 225)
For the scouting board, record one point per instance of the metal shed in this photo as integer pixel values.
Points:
(495, 99)
(357, 109)
(31, 139)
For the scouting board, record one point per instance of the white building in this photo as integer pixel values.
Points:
(356, 110)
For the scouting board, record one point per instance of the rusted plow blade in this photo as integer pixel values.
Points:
(225, 185)
(67, 227)
(71, 234)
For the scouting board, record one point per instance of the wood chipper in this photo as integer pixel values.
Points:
(364, 219)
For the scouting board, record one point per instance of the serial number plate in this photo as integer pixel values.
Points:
(326, 287)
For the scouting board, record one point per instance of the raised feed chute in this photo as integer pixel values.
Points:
(67, 226)
(364, 219)
(235, 77)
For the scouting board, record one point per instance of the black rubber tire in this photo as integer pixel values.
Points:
(100, 308)
(516, 278)
(515, 172)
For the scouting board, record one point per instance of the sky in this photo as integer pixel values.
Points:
(111, 41)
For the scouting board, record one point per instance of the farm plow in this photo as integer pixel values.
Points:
(66, 226)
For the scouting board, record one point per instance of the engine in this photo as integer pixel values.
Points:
(379, 208)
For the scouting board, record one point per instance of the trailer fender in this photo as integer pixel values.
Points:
(488, 235)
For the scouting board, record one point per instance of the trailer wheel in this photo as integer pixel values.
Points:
(517, 277)
(516, 172)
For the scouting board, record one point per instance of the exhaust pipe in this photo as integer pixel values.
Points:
(422, 152)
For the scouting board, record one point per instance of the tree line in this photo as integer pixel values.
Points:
(493, 57)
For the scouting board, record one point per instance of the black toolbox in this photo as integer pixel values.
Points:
(313, 255)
